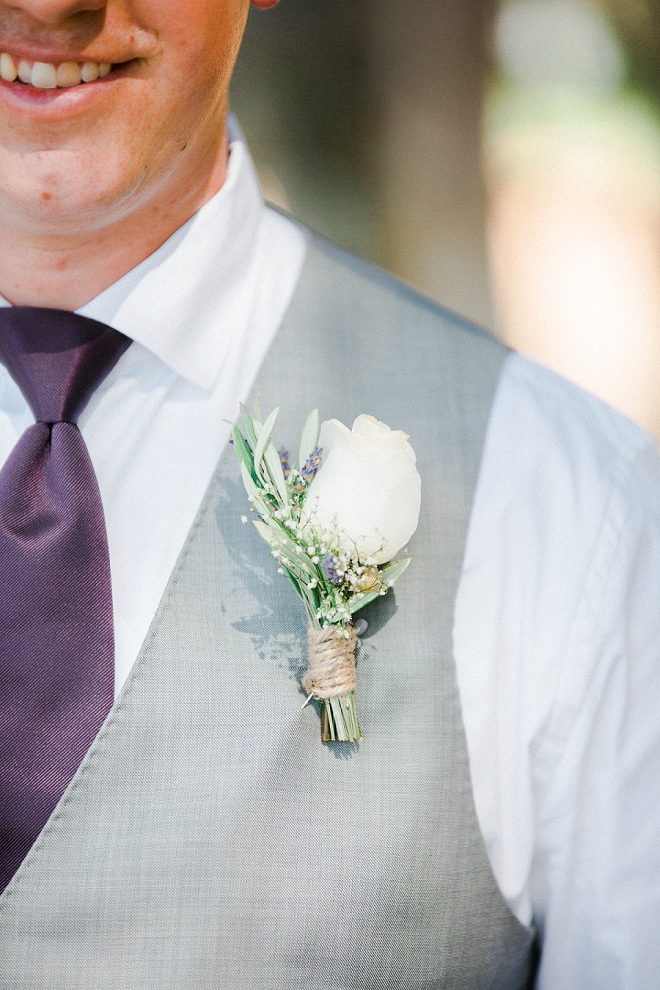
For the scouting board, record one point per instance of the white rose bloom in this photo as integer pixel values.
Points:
(367, 487)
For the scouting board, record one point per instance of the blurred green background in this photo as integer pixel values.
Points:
(504, 158)
(304, 92)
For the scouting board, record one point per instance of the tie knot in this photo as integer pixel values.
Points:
(57, 358)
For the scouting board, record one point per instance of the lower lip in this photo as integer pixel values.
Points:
(53, 103)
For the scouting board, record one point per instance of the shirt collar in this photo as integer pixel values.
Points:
(186, 301)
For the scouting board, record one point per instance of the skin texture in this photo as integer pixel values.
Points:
(95, 178)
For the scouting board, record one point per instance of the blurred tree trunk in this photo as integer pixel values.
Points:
(638, 25)
(429, 69)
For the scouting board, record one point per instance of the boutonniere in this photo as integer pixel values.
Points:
(334, 521)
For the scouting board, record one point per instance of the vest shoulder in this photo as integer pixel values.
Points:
(357, 291)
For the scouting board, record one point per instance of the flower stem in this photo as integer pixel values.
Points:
(339, 721)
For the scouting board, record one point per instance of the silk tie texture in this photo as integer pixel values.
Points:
(56, 626)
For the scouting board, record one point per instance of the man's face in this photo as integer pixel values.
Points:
(87, 153)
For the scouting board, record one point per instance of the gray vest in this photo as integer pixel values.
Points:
(209, 839)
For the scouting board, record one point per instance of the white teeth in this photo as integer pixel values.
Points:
(90, 71)
(7, 68)
(68, 74)
(45, 75)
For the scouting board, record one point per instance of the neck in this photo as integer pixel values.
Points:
(64, 265)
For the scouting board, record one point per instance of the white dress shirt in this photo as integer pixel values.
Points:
(557, 623)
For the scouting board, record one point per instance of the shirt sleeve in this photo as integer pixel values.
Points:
(595, 876)
(560, 677)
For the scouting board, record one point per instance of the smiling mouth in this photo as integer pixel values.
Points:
(46, 75)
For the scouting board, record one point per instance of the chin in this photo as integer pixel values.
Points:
(82, 198)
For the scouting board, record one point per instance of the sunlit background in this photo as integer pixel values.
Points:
(502, 157)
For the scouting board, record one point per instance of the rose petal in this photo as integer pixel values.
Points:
(367, 488)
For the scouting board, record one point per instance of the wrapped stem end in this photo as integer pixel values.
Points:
(338, 720)
(331, 679)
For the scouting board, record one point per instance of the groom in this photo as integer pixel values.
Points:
(169, 817)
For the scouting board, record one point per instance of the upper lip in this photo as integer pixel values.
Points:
(32, 54)
(25, 54)
(56, 55)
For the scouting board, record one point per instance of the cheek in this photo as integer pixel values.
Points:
(197, 32)
(184, 90)
(198, 57)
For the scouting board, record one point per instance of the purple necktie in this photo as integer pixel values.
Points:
(56, 631)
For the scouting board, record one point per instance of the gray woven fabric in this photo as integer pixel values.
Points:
(209, 840)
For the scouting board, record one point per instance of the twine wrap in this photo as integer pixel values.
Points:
(331, 671)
